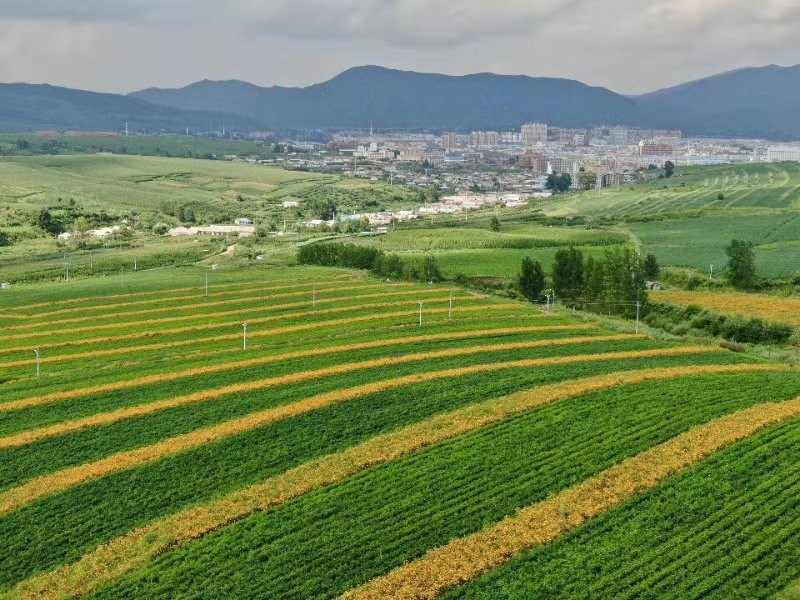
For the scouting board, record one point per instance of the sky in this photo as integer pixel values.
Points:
(630, 46)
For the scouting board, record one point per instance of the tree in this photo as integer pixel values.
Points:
(46, 223)
(587, 180)
(741, 264)
(494, 224)
(669, 169)
(531, 281)
(651, 267)
(559, 183)
(568, 275)
(81, 225)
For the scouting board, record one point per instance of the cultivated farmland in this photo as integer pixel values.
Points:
(374, 439)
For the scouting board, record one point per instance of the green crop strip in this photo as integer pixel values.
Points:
(264, 360)
(388, 515)
(725, 528)
(39, 487)
(96, 420)
(62, 527)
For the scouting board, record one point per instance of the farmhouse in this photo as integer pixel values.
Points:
(214, 230)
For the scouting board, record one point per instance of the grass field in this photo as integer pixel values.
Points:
(689, 219)
(156, 456)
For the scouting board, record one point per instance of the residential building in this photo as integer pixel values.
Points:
(534, 133)
(655, 148)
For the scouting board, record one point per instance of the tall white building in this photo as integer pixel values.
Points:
(783, 153)
(534, 133)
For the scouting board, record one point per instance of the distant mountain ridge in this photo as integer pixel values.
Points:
(30, 107)
(752, 102)
(408, 100)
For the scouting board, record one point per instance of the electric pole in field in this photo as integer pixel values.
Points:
(206, 285)
(38, 369)
(711, 277)
(638, 311)
(450, 314)
(244, 336)
(314, 295)
(420, 314)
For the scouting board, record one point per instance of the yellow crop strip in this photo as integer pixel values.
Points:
(263, 360)
(229, 313)
(133, 550)
(164, 294)
(466, 558)
(45, 485)
(34, 435)
(768, 308)
(202, 305)
(250, 335)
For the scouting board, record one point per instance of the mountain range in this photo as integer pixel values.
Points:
(754, 102)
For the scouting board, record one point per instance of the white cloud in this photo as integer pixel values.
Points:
(628, 45)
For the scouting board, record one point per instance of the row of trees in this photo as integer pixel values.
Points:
(352, 256)
(613, 284)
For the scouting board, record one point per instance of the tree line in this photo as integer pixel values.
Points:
(613, 284)
(380, 263)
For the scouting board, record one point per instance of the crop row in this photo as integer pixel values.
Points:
(202, 320)
(74, 372)
(326, 351)
(89, 445)
(258, 301)
(61, 527)
(36, 488)
(199, 295)
(28, 436)
(133, 550)
(465, 558)
(165, 294)
(725, 528)
(325, 542)
(189, 331)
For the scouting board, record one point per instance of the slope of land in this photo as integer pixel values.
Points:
(158, 454)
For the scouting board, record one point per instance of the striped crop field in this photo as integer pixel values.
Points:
(313, 433)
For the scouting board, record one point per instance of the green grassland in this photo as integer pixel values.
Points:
(132, 365)
(689, 219)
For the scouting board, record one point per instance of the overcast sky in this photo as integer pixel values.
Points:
(630, 46)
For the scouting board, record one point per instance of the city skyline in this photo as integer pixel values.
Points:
(629, 47)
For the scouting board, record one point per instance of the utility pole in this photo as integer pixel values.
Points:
(66, 272)
(135, 265)
(38, 370)
(244, 336)
(638, 310)
(314, 295)
(711, 277)
(450, 314)
(420, 314)
(206, 284)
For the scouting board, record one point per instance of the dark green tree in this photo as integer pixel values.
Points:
(494, 224)
(559, 183)
(531, 280)
(568, 275)
(651, 267)
(47, 223)
(741, 264)
(669, 169)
